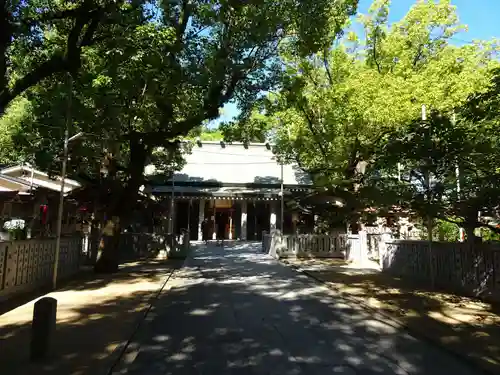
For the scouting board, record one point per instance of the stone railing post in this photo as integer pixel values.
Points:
(363, 247)
(352, 247)
(386, 237)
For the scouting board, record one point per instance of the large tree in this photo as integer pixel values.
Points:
(336, 106)
(169, 68)
(447, 169)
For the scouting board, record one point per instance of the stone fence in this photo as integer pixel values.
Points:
(459, 267)
(312, 245)
(29, 264)
(143, 245)
(468, 269)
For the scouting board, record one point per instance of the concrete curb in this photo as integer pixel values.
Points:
(122, 349)
(462, 356)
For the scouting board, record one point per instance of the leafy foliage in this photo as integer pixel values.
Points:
(136, 76)
(205, 133)
(448, 170)
(17, 112)
(40, 38)
(337, 109)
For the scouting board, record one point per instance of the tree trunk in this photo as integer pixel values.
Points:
(469, 232)
(94, 238)
(354, 226)
(107, 253)
(120, 206)
(470, 225)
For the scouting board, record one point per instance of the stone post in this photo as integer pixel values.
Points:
(363, 247)
(386, 237)
(272, 217)
(243, 230)
(43, 327)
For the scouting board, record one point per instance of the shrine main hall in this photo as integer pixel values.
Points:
(239, 186)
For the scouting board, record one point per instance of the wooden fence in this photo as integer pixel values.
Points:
(27, 265)
(469, 269)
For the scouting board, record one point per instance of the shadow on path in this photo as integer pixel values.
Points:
(464, 325)
(95, 314)
(236, 311)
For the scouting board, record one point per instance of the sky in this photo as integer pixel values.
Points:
(481, 17)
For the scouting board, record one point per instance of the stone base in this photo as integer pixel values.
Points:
(162, 255)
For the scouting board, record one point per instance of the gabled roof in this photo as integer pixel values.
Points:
(8, 183)
(236, 163)
(38, 178)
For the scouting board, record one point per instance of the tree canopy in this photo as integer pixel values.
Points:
(168, 68)
(137, 75)
(337, 108)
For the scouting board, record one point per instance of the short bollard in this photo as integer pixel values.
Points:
(43, 327)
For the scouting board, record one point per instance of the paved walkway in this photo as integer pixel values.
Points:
(237, 311)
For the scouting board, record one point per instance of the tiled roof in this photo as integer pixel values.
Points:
(38, 178)
(16, 183)
(235, 163)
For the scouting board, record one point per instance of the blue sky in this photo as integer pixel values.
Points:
(481, 16)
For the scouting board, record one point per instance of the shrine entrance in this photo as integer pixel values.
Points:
(221, 214)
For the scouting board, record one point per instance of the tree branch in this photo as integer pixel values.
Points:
(88, 36)
(183, 20)
(374, 51)
(5, 41)
(313, 131)
(417, 56)
(327, 67)
(87, 19)
(56, 64)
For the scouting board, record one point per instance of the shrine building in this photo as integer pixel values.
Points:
(239, 186)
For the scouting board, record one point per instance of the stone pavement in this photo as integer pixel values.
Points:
(237, 311)
(468, 327)
(96, 315)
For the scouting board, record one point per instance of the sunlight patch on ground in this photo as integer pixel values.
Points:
(201, 312)
(177, 357)
(103, 310)
(453, 320)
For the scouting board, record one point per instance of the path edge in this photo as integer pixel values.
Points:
(120, 352)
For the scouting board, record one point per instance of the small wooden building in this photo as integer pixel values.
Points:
(33, 196)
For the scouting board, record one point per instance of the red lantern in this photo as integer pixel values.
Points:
(44, 209)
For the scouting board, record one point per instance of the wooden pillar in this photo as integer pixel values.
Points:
(230, 225)
(201, 217)
(189, 216)
(214, 225)
(255, 235)
(243, 231)
(171, 217)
